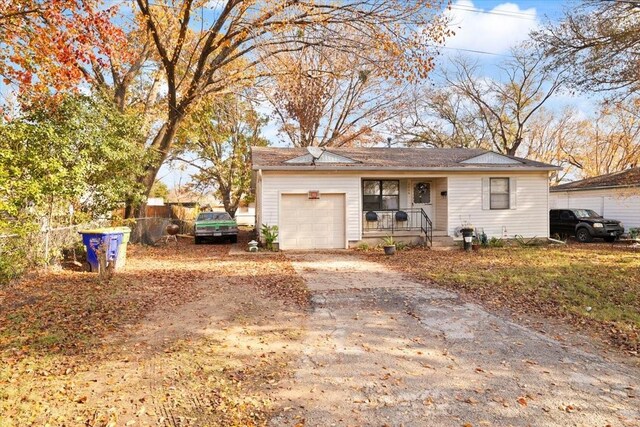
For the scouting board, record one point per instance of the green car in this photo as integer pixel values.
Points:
(215, 224)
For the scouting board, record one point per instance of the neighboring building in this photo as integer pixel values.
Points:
(339, 197)
(615, 195)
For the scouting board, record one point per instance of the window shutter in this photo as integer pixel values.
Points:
(486, 194)
(513, 193)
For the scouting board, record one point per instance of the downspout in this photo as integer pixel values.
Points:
(258, 206)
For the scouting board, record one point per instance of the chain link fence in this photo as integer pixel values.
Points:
(49, 246)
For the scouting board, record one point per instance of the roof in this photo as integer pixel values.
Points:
(625, 178)
(378, 158)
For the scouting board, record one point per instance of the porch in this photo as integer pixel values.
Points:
(409, 209)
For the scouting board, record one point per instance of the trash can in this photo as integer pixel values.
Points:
(108, 237)
(467, 236)
(121, 261)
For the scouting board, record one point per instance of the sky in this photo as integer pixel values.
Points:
(485, 30)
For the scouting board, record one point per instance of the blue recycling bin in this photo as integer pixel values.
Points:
(110, 238)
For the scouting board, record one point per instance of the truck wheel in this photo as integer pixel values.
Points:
(583, 235)
(197, 240)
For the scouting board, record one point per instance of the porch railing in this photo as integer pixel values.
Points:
(391, 221)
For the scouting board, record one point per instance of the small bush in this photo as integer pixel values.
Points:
(269, 234)
(494, 242)
(401, 246)
(13, 260)
(364, 246)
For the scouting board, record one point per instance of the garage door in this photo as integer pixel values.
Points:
(312, 223)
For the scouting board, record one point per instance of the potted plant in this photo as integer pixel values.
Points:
(475, 243)
(389, 245)
(467, 235)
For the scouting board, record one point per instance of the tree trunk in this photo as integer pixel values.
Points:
(160, 146)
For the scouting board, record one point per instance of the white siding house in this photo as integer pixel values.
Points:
(614, 196)
(338, 198)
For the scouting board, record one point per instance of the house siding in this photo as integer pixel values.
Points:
(530, 218)
(617, 203)
(275, 184)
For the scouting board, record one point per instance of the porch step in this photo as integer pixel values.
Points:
(442, 241)
(440, 238)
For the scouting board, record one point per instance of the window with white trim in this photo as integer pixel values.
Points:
(499, 193)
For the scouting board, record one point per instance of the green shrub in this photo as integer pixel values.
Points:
(269, 234)
(13, 259)
(494, 242)
(400, 246)
(364, 246)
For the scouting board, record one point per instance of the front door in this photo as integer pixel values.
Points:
(421, 196)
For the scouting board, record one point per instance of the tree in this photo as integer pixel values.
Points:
(44, 41)
(159, 189)
(442, 119)
(610, 142)
(77, 152)
(600, 42)
(230, 50)
(496, 113)
(325, 98)
(554, 137)
(217, 142)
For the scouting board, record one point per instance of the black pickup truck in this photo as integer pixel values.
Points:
(584, 224)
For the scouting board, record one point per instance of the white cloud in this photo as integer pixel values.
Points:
(495, 30)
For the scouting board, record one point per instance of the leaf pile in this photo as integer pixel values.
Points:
(64, 336)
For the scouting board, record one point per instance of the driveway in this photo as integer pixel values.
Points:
(382, 349)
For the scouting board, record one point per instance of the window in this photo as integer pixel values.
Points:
(499, 191)
(566, 216)
(380, 195)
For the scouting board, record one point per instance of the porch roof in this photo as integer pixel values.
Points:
(378, 158)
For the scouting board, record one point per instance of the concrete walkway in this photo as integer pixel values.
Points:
(383, 350)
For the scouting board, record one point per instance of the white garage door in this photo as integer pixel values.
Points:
(312, 223)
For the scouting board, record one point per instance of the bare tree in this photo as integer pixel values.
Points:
(494, 114)
(600, 42)
(611, 141)
(442, 119)
(554, 138)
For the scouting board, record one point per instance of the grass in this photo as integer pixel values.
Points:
(593, 284)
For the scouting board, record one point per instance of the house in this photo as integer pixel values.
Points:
(339, 197)
(615, 195)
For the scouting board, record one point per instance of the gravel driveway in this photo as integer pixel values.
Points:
(384, 350)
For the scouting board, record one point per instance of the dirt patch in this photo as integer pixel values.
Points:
(186, 335)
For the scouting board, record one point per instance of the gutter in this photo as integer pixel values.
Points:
(405, 169)
(601, 187)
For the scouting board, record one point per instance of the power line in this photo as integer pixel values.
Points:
(518, 15)
(470, 50)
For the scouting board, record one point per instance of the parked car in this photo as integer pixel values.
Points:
(215, 224)
(584, 224)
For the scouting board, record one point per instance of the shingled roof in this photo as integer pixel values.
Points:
(626, 178)
(377, 158)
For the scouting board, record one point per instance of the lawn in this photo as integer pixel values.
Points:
(186, 335)
(591, 286)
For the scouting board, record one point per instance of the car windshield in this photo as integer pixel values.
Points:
(585, 213)
(214, 216)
